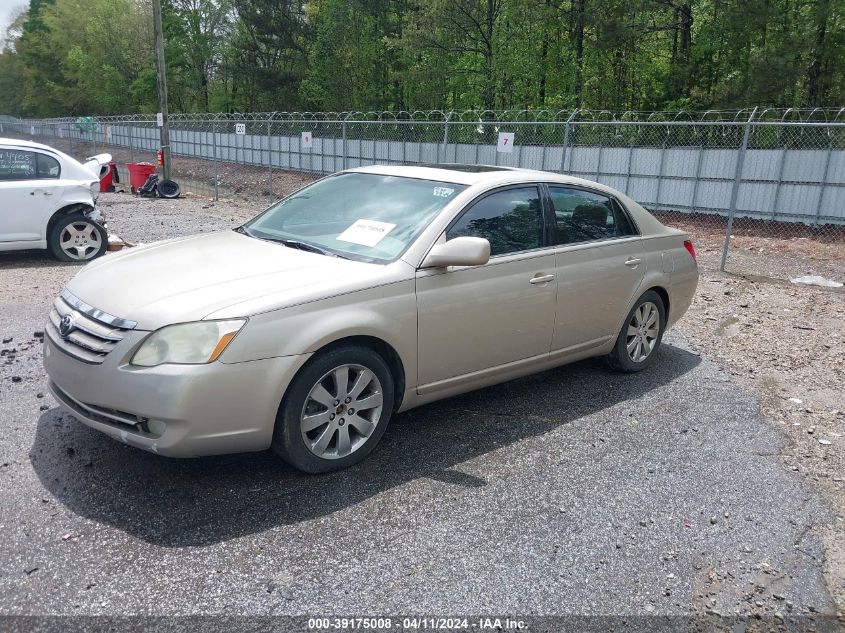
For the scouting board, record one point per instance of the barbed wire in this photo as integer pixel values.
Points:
(783, 115)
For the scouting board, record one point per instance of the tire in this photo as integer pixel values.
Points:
(169, 189)
(635, 349)
(75, 238)
(321, 444)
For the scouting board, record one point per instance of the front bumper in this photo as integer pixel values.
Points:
(203, 409)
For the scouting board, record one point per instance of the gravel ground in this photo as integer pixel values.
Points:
(695, 486)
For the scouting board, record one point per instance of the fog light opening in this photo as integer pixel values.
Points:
(155, 428)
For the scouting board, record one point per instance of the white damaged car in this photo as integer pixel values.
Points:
(48, 201)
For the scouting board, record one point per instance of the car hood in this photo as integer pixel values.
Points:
(187, 279)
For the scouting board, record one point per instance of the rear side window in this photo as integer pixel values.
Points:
(48, 167)
(584, 216)
(511, 220)
(17, 165)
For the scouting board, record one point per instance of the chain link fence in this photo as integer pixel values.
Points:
(762, 191)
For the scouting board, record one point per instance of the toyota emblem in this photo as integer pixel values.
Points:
(66, 325)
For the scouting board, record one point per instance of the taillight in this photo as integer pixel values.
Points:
(690, 249)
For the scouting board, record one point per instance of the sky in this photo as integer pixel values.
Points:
(8, 9)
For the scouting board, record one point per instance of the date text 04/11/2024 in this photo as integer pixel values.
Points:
(417, 623)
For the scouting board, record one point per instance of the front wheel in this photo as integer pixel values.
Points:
(76, 238)
(637, 343)
(335, 411)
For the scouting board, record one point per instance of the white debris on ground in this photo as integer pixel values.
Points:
(816, 280)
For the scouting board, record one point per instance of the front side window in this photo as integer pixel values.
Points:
(48, 167)
(16, 164)
(584, 216)
(511, 220)
(369, 217)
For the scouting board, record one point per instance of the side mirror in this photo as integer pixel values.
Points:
(459, 251)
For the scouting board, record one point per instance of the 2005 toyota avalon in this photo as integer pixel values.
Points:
(359, 296)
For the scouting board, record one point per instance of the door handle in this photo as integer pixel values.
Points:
(632, 262)
(47, 193)
(540, 278)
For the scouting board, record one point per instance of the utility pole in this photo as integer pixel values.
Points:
(161, 74)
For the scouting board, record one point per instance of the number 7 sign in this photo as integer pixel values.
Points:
(505, 145)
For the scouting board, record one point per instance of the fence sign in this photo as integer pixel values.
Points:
(240, 128)
(505, 145)
(159, 119)
(307, 141)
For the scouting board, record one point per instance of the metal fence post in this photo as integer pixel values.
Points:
(661, 169)
(441, 159)
(270, 158)
(343, 144)
(214, 160)
(780, 182)
(697, 178)
(131, 154)
(740, 161)
(823, 182)
(563, 156)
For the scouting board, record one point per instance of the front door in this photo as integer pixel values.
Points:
(479, 317)
(25, 199)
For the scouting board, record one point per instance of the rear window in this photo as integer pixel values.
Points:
(586, 216)
(48, 167)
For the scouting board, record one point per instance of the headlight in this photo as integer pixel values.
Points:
(95, 191)
(187, 343)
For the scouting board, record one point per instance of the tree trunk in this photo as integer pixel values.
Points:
(544, 52)
(815, 88)
(579, 50)
(489, 93)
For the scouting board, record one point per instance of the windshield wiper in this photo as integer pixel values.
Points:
(311, 248)
(302, 246)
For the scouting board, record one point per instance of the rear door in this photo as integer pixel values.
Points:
(30, 189)
(599, 265)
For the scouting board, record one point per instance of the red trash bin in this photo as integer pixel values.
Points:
(108, 179)
(138, 174)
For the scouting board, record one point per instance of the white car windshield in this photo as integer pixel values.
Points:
(369, 217)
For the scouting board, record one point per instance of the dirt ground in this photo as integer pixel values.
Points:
(786, 342)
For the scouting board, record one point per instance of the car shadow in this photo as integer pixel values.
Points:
(32, 259)
(202, 501)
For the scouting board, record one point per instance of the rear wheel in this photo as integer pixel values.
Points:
(637, 344)
(75, 238)
(335, 411)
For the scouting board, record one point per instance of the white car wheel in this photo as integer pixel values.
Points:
(76, 238)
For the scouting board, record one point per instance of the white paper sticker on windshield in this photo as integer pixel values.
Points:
(366, 232)
(443, 192)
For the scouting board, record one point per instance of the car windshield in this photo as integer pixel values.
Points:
(369, 217)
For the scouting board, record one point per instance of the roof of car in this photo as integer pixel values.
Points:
(468, 174)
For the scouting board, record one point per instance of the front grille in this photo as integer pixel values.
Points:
(94, 333)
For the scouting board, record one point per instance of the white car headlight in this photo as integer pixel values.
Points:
(95, 191)
(187, 343)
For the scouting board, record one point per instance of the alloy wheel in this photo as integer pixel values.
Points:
(341, 411)
(80, 240)
(643, 330)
